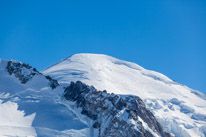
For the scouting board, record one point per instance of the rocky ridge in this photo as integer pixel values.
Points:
(114, 115)
(25, 72)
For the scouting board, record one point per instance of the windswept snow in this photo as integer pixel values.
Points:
(13, 122)
(180, 110)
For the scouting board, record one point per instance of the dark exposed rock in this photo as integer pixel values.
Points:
(96, 125)
(121, 104)
(53, 83)
(24, 72)
(120, 113)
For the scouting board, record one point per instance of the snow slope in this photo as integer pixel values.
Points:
(181, 110)
(34, 109)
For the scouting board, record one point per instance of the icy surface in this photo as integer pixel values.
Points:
(179, 109)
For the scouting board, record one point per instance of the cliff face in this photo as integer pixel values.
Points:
(114, 115)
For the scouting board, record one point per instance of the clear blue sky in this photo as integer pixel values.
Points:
(168, 36)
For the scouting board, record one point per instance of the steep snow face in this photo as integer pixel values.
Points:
(179, 109)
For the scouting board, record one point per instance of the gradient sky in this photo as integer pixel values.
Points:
(168, 36)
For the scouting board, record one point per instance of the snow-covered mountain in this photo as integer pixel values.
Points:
(180, 110)
(34, 104)
(96, 95)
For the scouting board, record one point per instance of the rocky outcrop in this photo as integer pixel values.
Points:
(24, 72)
(52, 82)
(114, 115)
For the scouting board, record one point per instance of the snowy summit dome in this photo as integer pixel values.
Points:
(180, 110)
